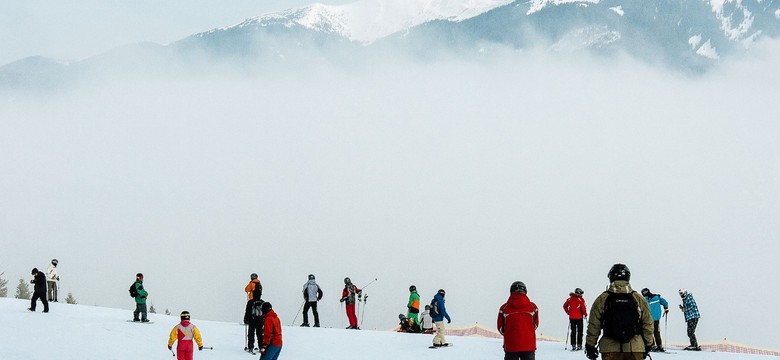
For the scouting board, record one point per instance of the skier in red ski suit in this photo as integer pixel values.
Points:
(184, 332)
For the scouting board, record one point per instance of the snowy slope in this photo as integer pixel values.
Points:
(85, 332)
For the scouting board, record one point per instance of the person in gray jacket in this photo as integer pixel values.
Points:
(311, 294)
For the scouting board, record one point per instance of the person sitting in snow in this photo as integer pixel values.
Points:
(408, 325)
(184, 332)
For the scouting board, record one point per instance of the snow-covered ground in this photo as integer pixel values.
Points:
(87, 332)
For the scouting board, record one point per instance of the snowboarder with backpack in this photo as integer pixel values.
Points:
(691, 311)
(656, 302)
(439, 313)
(517, 321)
(311, 294)
(620, 324)
(254, 323)
(348, 297)
(138, 292)
(272, 334)
(576, 308)
(184, 332)
(413, 305)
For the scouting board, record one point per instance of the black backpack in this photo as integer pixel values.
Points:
(133, 291)
(434, 308)
(257, 310)
(620, 320)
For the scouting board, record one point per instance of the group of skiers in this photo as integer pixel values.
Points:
(262, 322)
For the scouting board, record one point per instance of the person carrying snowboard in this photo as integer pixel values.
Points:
(311, 294)
(39, 290)
(272, 334)
(691, 311)
(624, 318)
(184, 332)
(576, 308)
(413, 305)
(439, 313)
(52, 279)
(517, 321)
(348, 297)
(655, 302)
(140, 299)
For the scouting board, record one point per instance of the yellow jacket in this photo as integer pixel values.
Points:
(185, 331)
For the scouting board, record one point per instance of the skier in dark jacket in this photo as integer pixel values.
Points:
(311, 294)
(254, 321)
(39, 290)
(140, 300)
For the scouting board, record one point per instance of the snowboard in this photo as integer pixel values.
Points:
(138, 322)
(439, 347)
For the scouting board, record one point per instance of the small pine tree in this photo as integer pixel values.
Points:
(22, 290)
(152, 309)
(167, 312)
(70, 299)
(3, 287)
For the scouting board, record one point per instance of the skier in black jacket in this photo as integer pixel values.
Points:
(39, 291)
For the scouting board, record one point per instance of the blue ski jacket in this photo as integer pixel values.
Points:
(690, 308)
(440, 307)
(656, 302)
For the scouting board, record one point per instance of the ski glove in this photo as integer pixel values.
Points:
(591, 352)
(262, 350)
(200, 348)
(170, 347)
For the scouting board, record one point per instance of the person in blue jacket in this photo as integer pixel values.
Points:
(437, 306)
(656, 302)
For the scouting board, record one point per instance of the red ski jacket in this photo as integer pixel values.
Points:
(517, 321)
(272, 329)
(575, 307)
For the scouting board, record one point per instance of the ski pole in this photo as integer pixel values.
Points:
(174, 354)
(666, 322)
(366, 285)
(208, 348)
(296, 314)
(363, 316)
(566, 339)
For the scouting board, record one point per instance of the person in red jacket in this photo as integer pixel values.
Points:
(577, 310)
(348, 297)
(272, 334)
(517, 322)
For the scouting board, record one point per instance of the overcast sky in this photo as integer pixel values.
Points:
(457, 174)
(82, 28)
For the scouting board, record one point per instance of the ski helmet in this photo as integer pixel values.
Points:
(54, 262)
(139, 275)
(518, 287)
(266, 307)
(34, 271)
(311, 276)
(347, 281)
(578, 291)
(401, 317)
(683, 292)
(441, 292)
(412, 288)
(185, 315)
(619, 272)
(646, 292)
(253, 276)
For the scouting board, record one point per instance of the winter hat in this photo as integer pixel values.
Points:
(54, 262)
(646, 292)
(253, 276)
(401, 317)
(185, 315)
(427, 307)
(139, 275)
(34, 271)
(683, 292)
(266, 307)
(578, 291)
(518, 287)
(413, 288)
(311, 276)
(619, 272)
